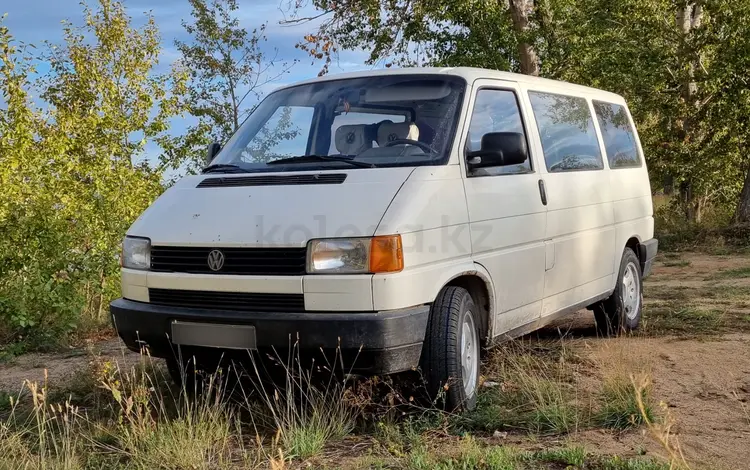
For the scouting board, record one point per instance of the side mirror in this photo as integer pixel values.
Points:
(499, 149)
(213, 149)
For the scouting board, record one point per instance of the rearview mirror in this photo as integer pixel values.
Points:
(499, 149)
(213, 149)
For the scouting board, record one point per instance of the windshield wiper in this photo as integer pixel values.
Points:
(321, 158)
(224, 168)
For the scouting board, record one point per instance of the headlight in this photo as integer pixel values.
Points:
(136, 253)
(355, 255)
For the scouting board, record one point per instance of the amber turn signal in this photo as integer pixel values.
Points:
(386, 254)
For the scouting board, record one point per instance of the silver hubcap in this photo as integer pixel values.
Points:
(631, 291)
(469, 354)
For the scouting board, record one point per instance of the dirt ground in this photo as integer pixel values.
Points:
(701, 374)
(695, 342)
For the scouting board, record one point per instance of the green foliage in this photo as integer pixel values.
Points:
(71, 177)
(684, 80)
(228, 71)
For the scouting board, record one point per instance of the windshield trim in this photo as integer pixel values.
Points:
(442, 160)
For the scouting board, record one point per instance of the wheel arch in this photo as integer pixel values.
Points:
(479, 284)
(634, 243)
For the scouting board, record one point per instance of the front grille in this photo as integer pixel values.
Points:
(248, 302)
(247, 261)
(273, 180)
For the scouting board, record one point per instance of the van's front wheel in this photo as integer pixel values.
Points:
(450, 355)
(621, 312)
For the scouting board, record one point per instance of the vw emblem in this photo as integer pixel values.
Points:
(392, 137)
(215, 260)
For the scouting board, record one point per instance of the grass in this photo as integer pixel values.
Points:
(737, 273)
(537, 395)
(676, 263)
(621, 405)
(691, 320)
(307, 413)
(470, 453)
(141, 422)
(545, 392)
(570, 456)
(6, 401)
(152, 425)
(619, 408)
(618, 463)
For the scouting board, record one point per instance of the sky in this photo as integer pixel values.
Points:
(36, 21)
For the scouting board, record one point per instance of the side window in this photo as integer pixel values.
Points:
(284, 134)
(618, 135)
(496, 111)
(567, 131)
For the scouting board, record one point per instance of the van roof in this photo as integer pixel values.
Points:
(471, 74)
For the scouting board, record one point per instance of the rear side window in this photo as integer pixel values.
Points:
(618, 135)
(567, 132)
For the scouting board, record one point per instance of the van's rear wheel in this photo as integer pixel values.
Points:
(621, 312)
(450, 355)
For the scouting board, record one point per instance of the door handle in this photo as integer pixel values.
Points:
(543, 192)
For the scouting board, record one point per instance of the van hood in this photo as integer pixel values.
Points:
(279, 209)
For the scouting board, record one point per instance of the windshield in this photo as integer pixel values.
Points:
(397, 120)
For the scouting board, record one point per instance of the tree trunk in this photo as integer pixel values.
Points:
(688, 18)
(668, 185)
(520, 11)
(742, 214)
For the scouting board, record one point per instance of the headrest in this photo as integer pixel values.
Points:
(390, 131)
(351, 139)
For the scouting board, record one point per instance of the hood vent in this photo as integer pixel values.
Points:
(272, 180)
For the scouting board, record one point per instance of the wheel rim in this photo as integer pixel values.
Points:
(469, 354)
(631, 291)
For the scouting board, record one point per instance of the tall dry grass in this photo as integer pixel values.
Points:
(150, 423)
(619, 360)
(310, 408)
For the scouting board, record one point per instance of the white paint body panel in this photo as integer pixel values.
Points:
(269, 215)
(507, 220)
(535, 260)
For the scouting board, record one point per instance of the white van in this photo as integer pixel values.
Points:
(406, 217)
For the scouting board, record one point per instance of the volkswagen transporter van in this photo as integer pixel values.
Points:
(408, 218)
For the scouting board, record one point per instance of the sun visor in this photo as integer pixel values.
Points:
(412, 91)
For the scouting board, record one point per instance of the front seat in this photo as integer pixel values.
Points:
(352, 139)
(391, 131)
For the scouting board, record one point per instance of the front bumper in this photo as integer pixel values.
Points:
(382, 342)
(647, 255)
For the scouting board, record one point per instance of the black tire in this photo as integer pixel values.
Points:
(615, 315)
(441, 352)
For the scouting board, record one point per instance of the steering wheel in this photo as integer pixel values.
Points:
(417, 143)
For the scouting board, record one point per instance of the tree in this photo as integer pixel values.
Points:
(421, 32)
(680, 64)
(521, 12)
(228, 72)
(73, 172)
